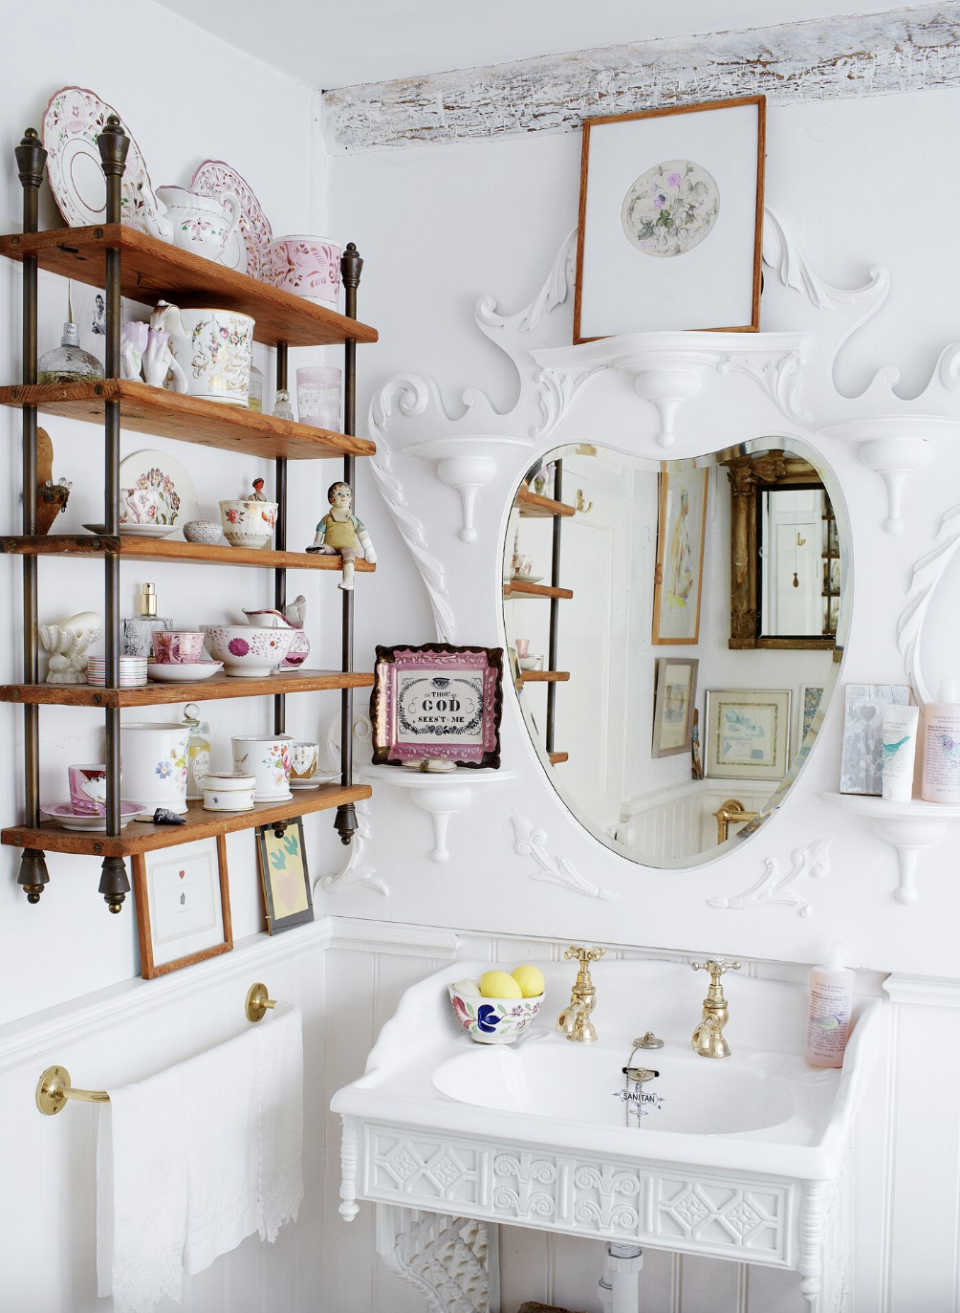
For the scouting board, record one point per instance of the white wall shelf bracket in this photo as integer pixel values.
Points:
(440, 794)
(466, 464)
(907, 826)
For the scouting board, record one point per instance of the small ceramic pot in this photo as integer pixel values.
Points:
(155, 764)
(178, 646)
(268, 760)
(88, 790)
(248, 523)
(133, 671)
(201, 224)
(228, 793)
(494, 1020)
(246, 650)
(304, 759)
(318, 397)
(306, 266)
(207, 532)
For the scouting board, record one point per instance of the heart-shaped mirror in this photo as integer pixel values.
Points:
(675, 630)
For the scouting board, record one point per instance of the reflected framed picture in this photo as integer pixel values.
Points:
(437, 702)
(747, 734)
(674, 700)
(811, 695)
(282, 857)
(183, 905)
(678, 581)
(671, 220)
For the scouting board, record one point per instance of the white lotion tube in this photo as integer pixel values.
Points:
(941, 745)
(828, 1021)
(899, 751)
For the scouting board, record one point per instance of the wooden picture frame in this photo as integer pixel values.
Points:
(464, 688)
(284, 875)
(687, 182)
(679, 569)
(747, 734)
(675, 700)
(202, 901)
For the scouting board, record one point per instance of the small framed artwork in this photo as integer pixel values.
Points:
(811, 695)
(861, 758)
(673, 706)
(183, 905)
(282, 857)
(671, 220)
(748, 733)
(437, 701)
(678, 582)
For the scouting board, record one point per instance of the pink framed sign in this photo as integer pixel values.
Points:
(437, 701)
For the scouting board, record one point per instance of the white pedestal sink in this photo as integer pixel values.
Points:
(741, 1158)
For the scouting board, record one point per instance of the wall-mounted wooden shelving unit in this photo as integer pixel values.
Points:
(127, 262)
(519, 588)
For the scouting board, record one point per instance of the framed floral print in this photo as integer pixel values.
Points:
(673, 705)
(437, 702)
(671, 220)
(282, 857)
(183, 905)
(678, 582)
(747, 734)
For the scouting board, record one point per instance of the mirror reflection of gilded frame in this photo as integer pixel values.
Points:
(678, 582)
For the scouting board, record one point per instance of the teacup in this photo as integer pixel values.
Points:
(178, 646)
(202, 224)
(88, 790)
(522, 565)
(139, 505)
(304, 760)
(306, 266)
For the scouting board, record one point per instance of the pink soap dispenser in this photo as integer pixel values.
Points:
(828, 1021)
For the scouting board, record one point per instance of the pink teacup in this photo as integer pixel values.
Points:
(88, 790)
(306, 266)
(177, 647)
(523, 646)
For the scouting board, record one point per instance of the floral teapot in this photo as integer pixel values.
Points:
(214, 348)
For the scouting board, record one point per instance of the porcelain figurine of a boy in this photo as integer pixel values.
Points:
(340, 533)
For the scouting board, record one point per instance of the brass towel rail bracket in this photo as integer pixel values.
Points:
(54, 1088)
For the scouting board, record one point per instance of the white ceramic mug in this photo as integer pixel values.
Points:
(268, 760)
(214, 348)
(155, 764)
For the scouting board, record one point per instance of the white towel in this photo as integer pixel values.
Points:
(192, 1161)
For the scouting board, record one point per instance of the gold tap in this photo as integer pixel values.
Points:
(708, 1038)
(574, 1020)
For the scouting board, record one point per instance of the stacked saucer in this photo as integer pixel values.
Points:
(133, 671)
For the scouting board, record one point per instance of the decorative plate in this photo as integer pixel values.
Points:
(173, 672)
(157, 495)
(71, 125)
(249, 241)
(71, 820)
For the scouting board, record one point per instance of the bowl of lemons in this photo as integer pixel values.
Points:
(498, 1008)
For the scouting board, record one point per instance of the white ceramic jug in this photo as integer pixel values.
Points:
(214, 348)
(201, 224)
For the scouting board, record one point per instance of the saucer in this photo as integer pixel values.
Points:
(71, 820)
(305, 784)
(182, 672)
(135, 530)
(274, 797)
(531, 662)
(527, 579)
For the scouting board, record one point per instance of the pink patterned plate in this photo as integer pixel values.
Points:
(247, 244)
(72, 122)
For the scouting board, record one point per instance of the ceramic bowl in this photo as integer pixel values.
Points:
(246, 650)
(248, 523)
(207, 532)
(306, 266)
(494, 1020)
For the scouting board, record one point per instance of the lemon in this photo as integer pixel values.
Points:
(497, 984)
(530, 979)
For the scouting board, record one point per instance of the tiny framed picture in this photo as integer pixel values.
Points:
(282, 857)
(437, 702)
(671, 219)
(747, 733)
(183, 905)
(678, 582)
(811, 695)
(673, 705)
(861, 757)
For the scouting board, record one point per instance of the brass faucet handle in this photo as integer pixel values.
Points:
(584, 955)
(717, 968)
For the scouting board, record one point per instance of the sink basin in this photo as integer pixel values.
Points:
(740, 1157)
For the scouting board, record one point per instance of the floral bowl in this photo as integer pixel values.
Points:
(246, 650)
(248, 523)
(494, 1020)
(206, 532)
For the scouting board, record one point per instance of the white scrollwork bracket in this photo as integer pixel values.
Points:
(531, 842)
(774, 887)
(927, 574)
(449, 1260)
(355, 873)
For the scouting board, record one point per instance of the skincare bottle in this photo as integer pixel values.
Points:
(138, 630)
(828, 1021)
(899, 750)
(941, 745)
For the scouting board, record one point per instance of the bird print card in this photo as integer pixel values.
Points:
(861, 763)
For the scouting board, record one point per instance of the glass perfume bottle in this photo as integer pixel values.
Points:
(68, 363)
(138, 630)
(255, 390)
(198, 750)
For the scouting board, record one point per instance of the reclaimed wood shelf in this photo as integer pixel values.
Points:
(130, 547)
(144, 836)
(155, 694)
(517, 588)
(151, 270)
(544, 676)
(534, 507)
(557, 758)
(146, 409)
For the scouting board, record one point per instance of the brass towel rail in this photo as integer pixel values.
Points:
(54, 1088)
